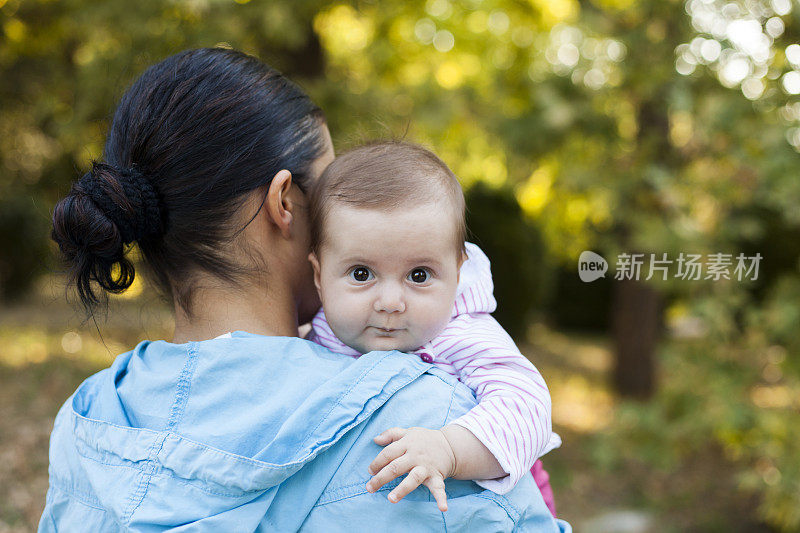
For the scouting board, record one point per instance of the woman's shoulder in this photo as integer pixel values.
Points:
(159, 384)
(229, 424)
(239, 394)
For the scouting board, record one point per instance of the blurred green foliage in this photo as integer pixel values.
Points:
(733, 392)
(521, 275)
(612, 125)
(23, 239)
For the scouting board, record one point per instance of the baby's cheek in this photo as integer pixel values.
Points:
(339, 323)
(435, 321)
(343, 319)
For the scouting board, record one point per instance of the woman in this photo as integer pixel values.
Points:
(237, 424)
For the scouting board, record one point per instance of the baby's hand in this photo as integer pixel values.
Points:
(425, 454)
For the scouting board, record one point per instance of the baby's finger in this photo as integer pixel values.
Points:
(386, 456)
(436, 485)
(396, 468)
(413, 480)
(390, 435)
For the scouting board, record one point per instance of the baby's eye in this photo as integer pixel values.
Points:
(361, 274)
(419, 275)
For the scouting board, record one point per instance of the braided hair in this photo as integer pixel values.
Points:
(106, 210)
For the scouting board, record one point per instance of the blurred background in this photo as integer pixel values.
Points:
(617, 126)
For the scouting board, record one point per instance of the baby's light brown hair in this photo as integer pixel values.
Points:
(386, 176)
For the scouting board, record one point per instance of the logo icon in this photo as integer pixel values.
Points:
(591, 266)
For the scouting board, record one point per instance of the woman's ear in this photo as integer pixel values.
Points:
(279, 206)
(317, 275)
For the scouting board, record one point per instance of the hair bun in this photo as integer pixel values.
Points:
(126, 197)
(105, 210)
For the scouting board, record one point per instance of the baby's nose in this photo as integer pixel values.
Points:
(390, 300)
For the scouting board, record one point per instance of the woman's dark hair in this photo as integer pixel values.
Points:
(190, 138)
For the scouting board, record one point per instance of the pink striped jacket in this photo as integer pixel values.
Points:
(512, 418)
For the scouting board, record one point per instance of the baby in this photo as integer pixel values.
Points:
(394, 273)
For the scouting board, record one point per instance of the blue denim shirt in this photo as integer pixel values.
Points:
(255, 433)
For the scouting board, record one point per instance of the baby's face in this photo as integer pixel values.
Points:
(388, 280)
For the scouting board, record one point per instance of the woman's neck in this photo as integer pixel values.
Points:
(219, 309)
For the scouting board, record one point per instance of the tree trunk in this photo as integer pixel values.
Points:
(308, 61)
(637, 310)
(636, 326)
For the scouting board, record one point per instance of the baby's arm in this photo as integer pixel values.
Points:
(504, 434)
(512, 418)
(429, 457)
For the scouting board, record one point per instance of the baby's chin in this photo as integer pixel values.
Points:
(387, 345)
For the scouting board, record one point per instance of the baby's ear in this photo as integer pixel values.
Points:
(315, 264)
(463, 257)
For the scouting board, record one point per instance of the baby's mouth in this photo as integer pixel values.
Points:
(386, 330)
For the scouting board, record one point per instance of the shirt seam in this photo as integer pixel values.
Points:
(183, 481)
(165, 472)
(390, 393)
(450, 405)
(339, 401)
(78, 496)
(247, 461)
(386, 488)
(183, 387)
(176, 412)
(505, 504)
(52, 519)
(389, 486)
